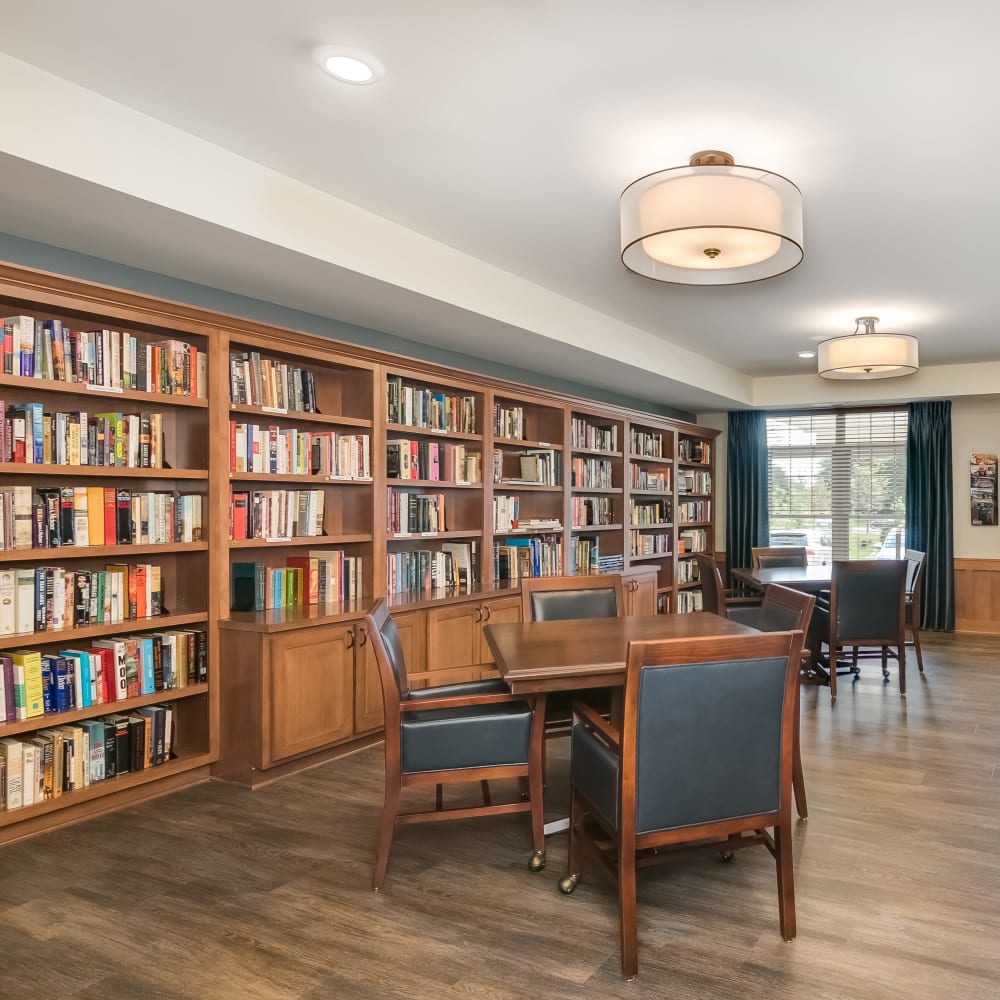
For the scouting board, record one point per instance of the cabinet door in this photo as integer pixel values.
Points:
(639, 591)
(454, 634)
(369, 713)
(309, 685)
(499, 611)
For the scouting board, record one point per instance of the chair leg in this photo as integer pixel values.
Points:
(626, 913)
(833, 672)
(915, 630)
(798, 780)
(902, 666)
(487, 799)
(574, 863)
(383, 843)
(786, 879)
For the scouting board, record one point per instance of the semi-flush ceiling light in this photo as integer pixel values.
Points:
(711, 223)
(349, 66)
(867, 354)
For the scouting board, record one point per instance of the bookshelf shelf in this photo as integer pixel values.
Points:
(150, 399)
(298, 416)
(651, 460)
(69, 636)
(98, 471)
(289, 477)
(110, 786)
(61, 552)
(695, 465)
(406, 429)
(106, 708)
(690, 585)
(651, 527)
(530, 487)
(595, 453)
(681, 495)
(522, 443)
(402, 536)
(694, 524)
(653, 557)
(650, 493)
(434, 483)
(318, 541)
(585, 528)
(595, 490)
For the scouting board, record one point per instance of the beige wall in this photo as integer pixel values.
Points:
(975, 426)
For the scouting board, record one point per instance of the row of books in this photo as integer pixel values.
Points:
(35, 684)
(52, 598)
(454, 566)
(650, 512)
(692, 540)
(584, 554)
(694, 510)
(694, 481)
(289, 451)
(687, 571)
(425, 408)
(275, 385)
(646, 444)
(591, 472)
(322, 576)
(30, 436)
(276, 515)
(536, 467)
(689, 450)
(506, 512)
(596, 437)
(689, 601)
(588, 511)
(65, 759)
(517, 558)
(409, 458)
(641, 478)
(611, 563)
(508, 421)
(410, 513)
(86, 516)
(110, 360)
(643, 543)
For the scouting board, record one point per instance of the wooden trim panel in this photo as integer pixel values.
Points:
(977, 596)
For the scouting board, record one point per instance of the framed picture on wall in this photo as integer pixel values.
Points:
(983, 489)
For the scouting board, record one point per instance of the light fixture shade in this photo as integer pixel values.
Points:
(868, 355)
(711, 223)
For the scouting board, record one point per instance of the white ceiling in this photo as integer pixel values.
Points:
(507, 131)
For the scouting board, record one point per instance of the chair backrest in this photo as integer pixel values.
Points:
(915, 564)
(562, 598)
(707, 734)
(784, 610)
(867, 601)
(776, 556)
(713, 592)
(388, 651)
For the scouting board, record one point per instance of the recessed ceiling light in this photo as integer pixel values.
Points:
(807, 354)
(350, 66)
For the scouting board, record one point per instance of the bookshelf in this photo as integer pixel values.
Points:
(694, 513)
(292, 685)
(105, 564)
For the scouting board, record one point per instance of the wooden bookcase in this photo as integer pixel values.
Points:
(694, 511)
(288, 687)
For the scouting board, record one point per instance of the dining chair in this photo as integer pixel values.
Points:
(476, 731)
(714, 596)
(866, 609)
(690, 770)
(915, 565)
(562, 598)
(776, 556)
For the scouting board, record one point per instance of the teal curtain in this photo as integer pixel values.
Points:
(746, 478)
(929, 507)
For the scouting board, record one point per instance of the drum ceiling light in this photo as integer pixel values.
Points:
(866, 354)
(711, 223)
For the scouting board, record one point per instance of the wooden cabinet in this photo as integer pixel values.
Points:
(456, 647)
(369, 714)
(639, 591)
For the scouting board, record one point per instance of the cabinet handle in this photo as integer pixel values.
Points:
(350, 639)
(479, 615)
(635, 586)
(487, 611)
(363, 636)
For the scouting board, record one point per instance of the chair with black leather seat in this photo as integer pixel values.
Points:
(703, 762)
(714, 596)
(915, 563)
(867, 609)
(563, 598)
(778, 556)
(477, 731)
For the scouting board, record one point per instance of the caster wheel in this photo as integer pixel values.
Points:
(727, 856)
(568, 884)
(537, 862)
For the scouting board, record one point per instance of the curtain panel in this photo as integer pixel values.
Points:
(746, 491)
(929, 513)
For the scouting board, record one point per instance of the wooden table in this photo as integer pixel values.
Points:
(811, 579)
(538, 657)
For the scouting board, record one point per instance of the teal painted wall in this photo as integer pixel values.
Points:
(55, 259)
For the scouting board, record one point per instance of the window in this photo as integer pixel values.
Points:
(837, 483)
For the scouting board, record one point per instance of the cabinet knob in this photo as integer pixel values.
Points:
(479, 614)
(487, 611)
(362, 636)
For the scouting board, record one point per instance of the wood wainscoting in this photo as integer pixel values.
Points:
(977, 595)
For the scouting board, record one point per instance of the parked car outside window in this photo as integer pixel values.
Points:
(894, 544)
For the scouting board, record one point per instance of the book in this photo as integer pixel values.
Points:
(12, 751)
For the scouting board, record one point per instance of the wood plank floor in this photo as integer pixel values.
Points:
(215, 892)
